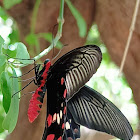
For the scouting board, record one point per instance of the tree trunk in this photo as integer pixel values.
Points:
(113, 19)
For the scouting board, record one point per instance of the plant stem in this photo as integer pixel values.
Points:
(59, 32)
(35, 11)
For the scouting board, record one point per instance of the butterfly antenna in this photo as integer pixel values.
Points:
(59, 52)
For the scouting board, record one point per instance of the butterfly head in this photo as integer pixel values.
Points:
(46, 61)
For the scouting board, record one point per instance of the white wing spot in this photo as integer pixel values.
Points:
(54, 117)
(61, 114)
(58, 118)
(67, 125)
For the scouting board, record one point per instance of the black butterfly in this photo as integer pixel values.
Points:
(70, 103)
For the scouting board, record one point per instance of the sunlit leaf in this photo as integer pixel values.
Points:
(2, 59)
(14, 36)
(6, 90)
(1, 43)
(10, 3)
(80, 20)
(2, 114)
(3, 14)
(10, 120)
(1, 40)
(22, 53)
(1, 120)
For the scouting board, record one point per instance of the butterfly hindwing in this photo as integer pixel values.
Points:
(72, 130)
(92, 110)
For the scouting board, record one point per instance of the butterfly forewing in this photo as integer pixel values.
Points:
(78, 66)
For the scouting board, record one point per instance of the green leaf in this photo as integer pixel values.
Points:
(10, 50)
(2, 59)
(22, 53)
(10, 3)
(6, 90)
(10, 120)
(80, 20)
(1, 43)
(31, 39)
(48, 37)
(2, 69)
(2, 114)
(1, 120)
(3, 14)
(14, 36)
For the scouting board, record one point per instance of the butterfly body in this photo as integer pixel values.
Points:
(70, 103)
(37, 98)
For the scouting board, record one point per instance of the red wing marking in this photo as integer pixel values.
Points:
(60, 138)
(69, 138)
(50, 137)
(63, 126)
(49, 120)
(76, 131)
(64, 112)
(62, 81)
(65, 93)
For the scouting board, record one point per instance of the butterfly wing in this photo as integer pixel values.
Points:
(56, 109)
(72, 130)
(65, 77)
(78, 66)
(92, 110)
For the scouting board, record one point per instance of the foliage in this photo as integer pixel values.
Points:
(8, 4)
(9, 85)
(80, 20)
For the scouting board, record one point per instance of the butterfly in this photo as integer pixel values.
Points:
(70, 103)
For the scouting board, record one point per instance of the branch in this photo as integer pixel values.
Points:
(132, 27)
